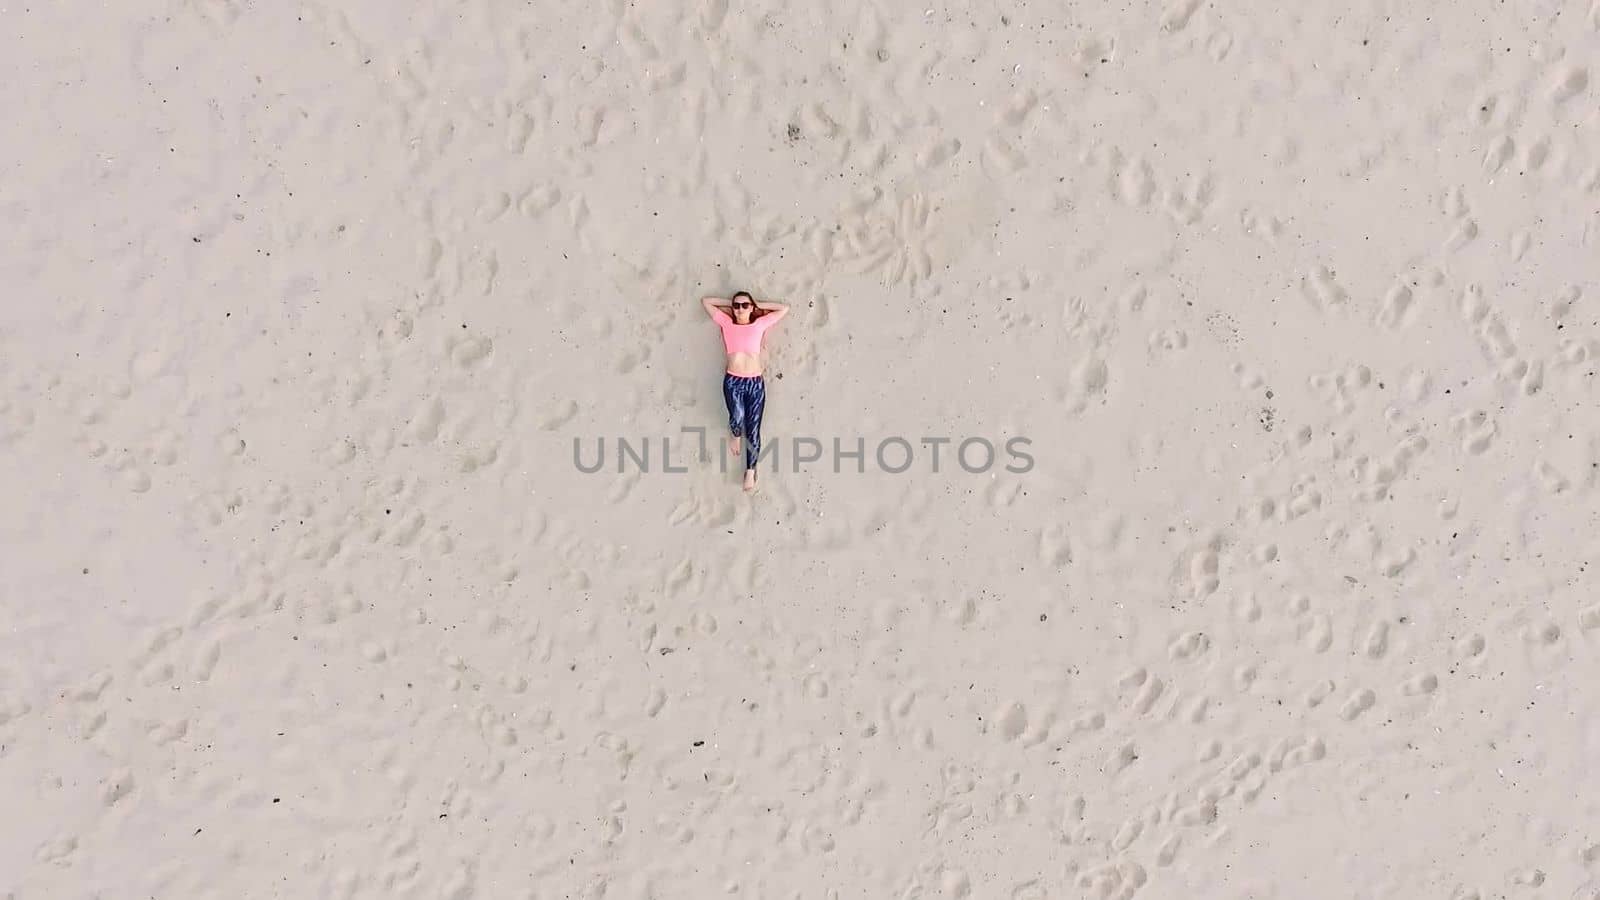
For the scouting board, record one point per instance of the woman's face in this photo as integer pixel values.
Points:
(743, 308)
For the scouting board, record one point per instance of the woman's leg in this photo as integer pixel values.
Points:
(754, 404)
(735, 400)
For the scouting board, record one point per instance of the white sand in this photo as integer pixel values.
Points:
(304, 597)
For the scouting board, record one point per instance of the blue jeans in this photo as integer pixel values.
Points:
(746, 397)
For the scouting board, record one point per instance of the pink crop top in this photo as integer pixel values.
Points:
(738, 338)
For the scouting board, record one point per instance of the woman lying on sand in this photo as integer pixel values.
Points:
(742, 387)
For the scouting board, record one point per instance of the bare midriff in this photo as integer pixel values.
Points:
(745, 365)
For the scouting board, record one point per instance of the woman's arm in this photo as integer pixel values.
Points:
(713, 310)
(775, 311)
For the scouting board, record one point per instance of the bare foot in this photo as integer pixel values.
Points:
(749, 480)
(733, 446)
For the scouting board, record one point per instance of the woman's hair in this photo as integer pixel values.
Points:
(755, 311)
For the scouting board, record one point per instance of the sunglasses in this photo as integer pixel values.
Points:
(743, 305)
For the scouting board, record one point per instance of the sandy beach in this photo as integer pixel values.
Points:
(317, 313)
